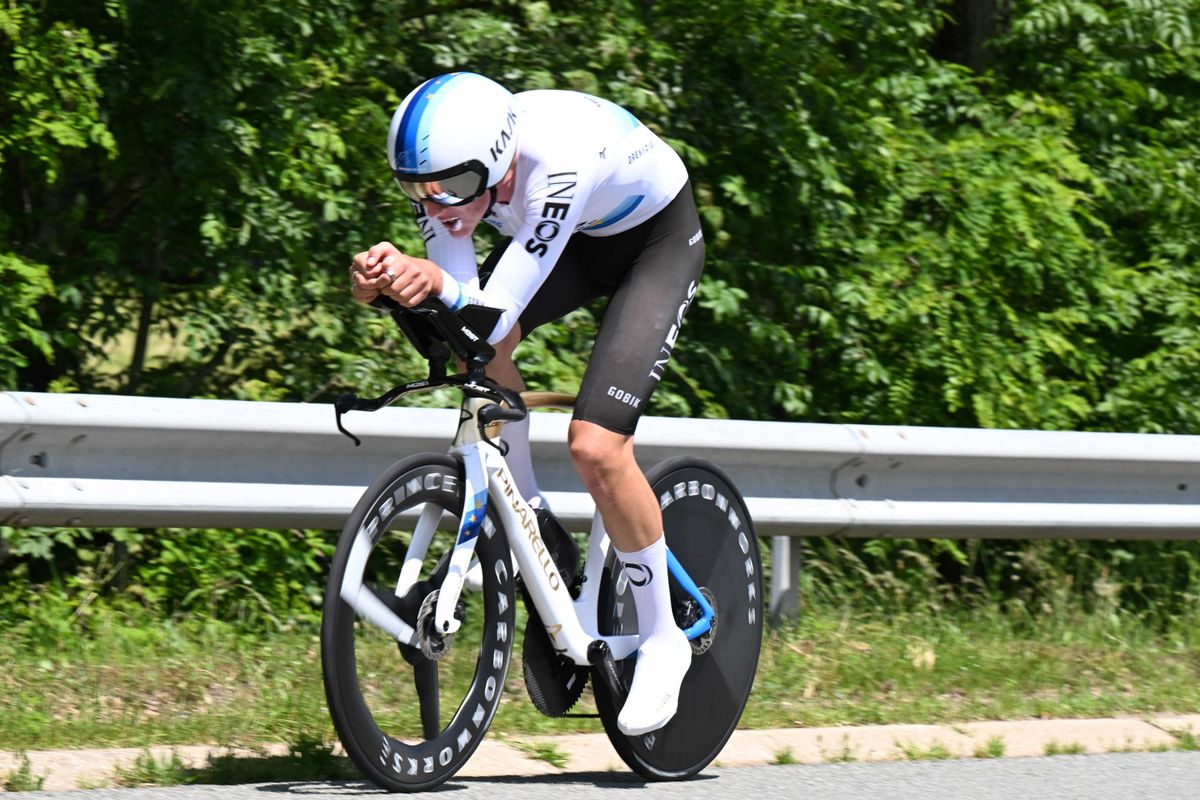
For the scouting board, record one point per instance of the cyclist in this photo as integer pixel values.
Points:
(593, 204)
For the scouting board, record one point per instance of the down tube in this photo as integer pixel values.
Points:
(551, 597)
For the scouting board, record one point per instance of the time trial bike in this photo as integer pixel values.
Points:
(420, 612)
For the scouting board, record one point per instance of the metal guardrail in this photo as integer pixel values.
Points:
(96, 460)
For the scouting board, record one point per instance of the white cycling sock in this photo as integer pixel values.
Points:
(664, 653)
(520, 462)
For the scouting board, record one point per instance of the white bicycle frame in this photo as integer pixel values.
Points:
(572, 624)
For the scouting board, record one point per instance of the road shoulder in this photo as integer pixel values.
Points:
(558, 755)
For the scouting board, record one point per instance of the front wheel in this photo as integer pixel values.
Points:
(410, 717)
(710, 532)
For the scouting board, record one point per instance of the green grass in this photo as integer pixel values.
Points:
(1185, 740)
(1067, 749)
(307, 760)
(544, 751)
(134, 685)
(23, 779)
(994, 748)
(843, 756)
(831, 669)
(935, 752)
(784, 757)
(146, 770)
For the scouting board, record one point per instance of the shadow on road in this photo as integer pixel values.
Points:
(603, 780)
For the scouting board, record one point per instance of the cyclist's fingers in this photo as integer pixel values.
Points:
(362, 288)
(358, 281)
(412, 294)
(364, 294)
(386, 272)
(379, 253)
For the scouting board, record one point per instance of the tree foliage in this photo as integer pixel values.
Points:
(893, 237)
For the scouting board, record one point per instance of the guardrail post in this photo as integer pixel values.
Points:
(786, 555)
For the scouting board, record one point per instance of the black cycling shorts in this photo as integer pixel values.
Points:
(650, 275)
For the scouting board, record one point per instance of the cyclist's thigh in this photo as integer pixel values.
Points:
(642, 320)
(569, 286)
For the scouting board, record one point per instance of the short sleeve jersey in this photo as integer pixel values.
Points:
(583, 165)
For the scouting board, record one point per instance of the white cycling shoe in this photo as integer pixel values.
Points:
(653, 698)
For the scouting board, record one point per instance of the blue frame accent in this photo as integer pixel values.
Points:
(704, 624)
(619, 213)
(474, 521)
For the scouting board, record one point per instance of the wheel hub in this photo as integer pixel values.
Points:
(690, 612)
(434, 645)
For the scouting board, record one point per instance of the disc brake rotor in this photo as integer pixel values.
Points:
(689, 613)
(434, 645)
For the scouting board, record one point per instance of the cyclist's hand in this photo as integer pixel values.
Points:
(367, 276)
(413, 279)
(403, 278)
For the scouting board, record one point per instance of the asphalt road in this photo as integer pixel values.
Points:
(1119, 776)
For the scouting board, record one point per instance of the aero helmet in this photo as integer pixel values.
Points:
(452, 138)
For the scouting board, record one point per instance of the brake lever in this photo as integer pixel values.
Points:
(342, 404)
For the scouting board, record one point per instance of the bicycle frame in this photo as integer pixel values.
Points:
(573, 624)
(570, 623)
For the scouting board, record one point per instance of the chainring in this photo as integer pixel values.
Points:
(554, 683)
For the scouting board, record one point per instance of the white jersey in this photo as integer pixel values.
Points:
(583, 165)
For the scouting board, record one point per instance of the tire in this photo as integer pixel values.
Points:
(710, 532)
(393, 731)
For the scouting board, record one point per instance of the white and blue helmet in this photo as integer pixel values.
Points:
(452, 138)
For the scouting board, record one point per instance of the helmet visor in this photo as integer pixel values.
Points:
(450, 187)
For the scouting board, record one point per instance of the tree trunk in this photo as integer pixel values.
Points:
(964, 38)
(138, 362)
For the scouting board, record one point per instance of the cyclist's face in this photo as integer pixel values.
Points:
(460, 221)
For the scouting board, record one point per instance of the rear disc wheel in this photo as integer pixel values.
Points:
(710, 532)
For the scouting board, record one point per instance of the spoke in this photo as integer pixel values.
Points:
(434, 581)
(425, 676)
(393, 603)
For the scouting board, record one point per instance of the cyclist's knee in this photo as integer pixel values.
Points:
(597, 451)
